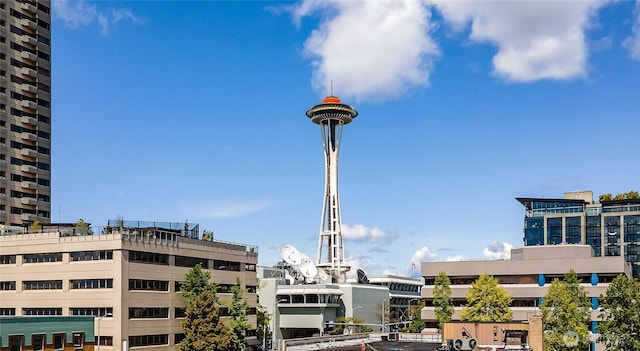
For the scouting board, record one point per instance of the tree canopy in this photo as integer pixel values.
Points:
(442, 300)
(566, 315)
(619, 328)
(196, 281)
(238, 311)
(487, 302)
(624, 196)
(203, 329)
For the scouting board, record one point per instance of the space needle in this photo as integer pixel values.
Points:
(331, 115)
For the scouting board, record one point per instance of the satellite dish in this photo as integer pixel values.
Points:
(322, 275)
(362, 277)
(308, 269)
(290, 254)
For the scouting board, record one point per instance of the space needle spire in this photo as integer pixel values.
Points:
(331, 115)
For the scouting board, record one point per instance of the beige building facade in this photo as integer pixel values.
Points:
(526, 277)
(127, 276)
(25, 112)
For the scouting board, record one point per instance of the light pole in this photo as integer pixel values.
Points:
(100, 319)
(276, 324)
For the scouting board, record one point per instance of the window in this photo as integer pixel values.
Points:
(38, 342)
(177, 338)
(224, 288)
(91, 283)
(180, 312)
(148, 312)
(148, 257)
(7, 311)
(251, 289)
(177, 286)
(7, 259)
(250, 267)
(15, 342)
(8, 285)
(226, 265)
(182, 261)
(42, 311)
(42, 257)
(41, 284)
(554, 231)
(58, 341)
(91, 255)
(147, 340)
(152, 285)
(91, 311)
(78, 340)
(573, 230)
(105, 340)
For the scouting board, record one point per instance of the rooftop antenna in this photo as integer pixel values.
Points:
(331, 88)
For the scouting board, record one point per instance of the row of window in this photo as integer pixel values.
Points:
(39, 341)
(57, 257)
(134, 312)
(39, 133)
(41, 70)
(17, 14)
(134, 256)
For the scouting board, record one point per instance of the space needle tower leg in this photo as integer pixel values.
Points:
(331, 115)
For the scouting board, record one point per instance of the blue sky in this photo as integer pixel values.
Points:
(174, 111)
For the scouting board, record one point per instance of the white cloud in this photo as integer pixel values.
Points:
(457, 258)
(77, 13)
(363, 233)
(371, 50)
(535, 39)
(632, 43)
(224, 209)
(497, 250)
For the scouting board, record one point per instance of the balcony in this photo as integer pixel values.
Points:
(28, 169)
(28, 185)
(28, 217)
(29, 120)
(29, 72)
(28, 7)
(29, 104)
(28, 201)
(28, 153)
(29, 88)
(27, 23)
(27, 39)
(29, 136)
(29, 56)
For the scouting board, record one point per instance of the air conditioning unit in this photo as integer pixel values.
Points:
(462, 344)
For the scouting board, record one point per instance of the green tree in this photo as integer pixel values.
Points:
(35, 226)
(203, 328)
(238, 311)
(487, 302)
(442, 300)
(416, 326)
(262, 319)
(619, 328)
(196, 281)
(605, 197)
(566, 315)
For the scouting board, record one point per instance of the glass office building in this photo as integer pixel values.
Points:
(611, 228)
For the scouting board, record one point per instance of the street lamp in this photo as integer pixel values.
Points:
(276, 322)
(100, 319)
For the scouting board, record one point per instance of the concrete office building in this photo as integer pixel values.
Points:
(611, 228)
(126, 274)
(526, 277)
(25, 112)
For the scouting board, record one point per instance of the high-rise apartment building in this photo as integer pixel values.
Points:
(611, 228)
(25, 112)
